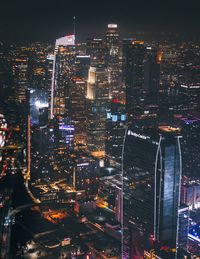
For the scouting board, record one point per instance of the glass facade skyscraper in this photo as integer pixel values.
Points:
(151, 188)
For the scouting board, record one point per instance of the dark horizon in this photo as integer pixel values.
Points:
(47, 20)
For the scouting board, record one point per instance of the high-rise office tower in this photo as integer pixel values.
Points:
(8, 89)
(190, 194)
(20, 73)
(133, 73)
(183, 229)
(82, 66)
(85, 173)
(141, 73)
(115, 129)
(190, 95)
(112, 43)
(113, 60)
(66, 132)
(48, 78)
(77, 109)
(36, 66)
(61, 133)
(60, 143)
(40, 168)
(190, 126)
(152, 70)
(97, 50)
(77, 97)
(63, 70)
(151, 187)
(65, 61)
(97, 104)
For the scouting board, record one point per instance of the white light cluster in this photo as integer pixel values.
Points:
(66, 41)
(111, 26)
(40, 105)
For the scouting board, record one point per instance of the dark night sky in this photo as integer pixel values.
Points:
(46, 20)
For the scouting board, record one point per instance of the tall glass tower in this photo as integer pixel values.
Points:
(151, 191)
(62, 72)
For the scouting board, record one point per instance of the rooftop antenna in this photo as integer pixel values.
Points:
(74, 18)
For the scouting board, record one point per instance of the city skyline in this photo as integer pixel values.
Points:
(99, 133)
(26, 20)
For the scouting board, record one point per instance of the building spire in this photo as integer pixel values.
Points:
(74, 18)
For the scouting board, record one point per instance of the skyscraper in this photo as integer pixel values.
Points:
(97, 104)
(96, 48)
(141, 76)
(77, 109)
(190, 95)
(85, 173)
(20, 77)
(190, 126)
(183, 231)
(152, 179)
(115, 129)
(133, 72)
(63, 67)
(112, 43)
(152, 70)
(113, 60)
